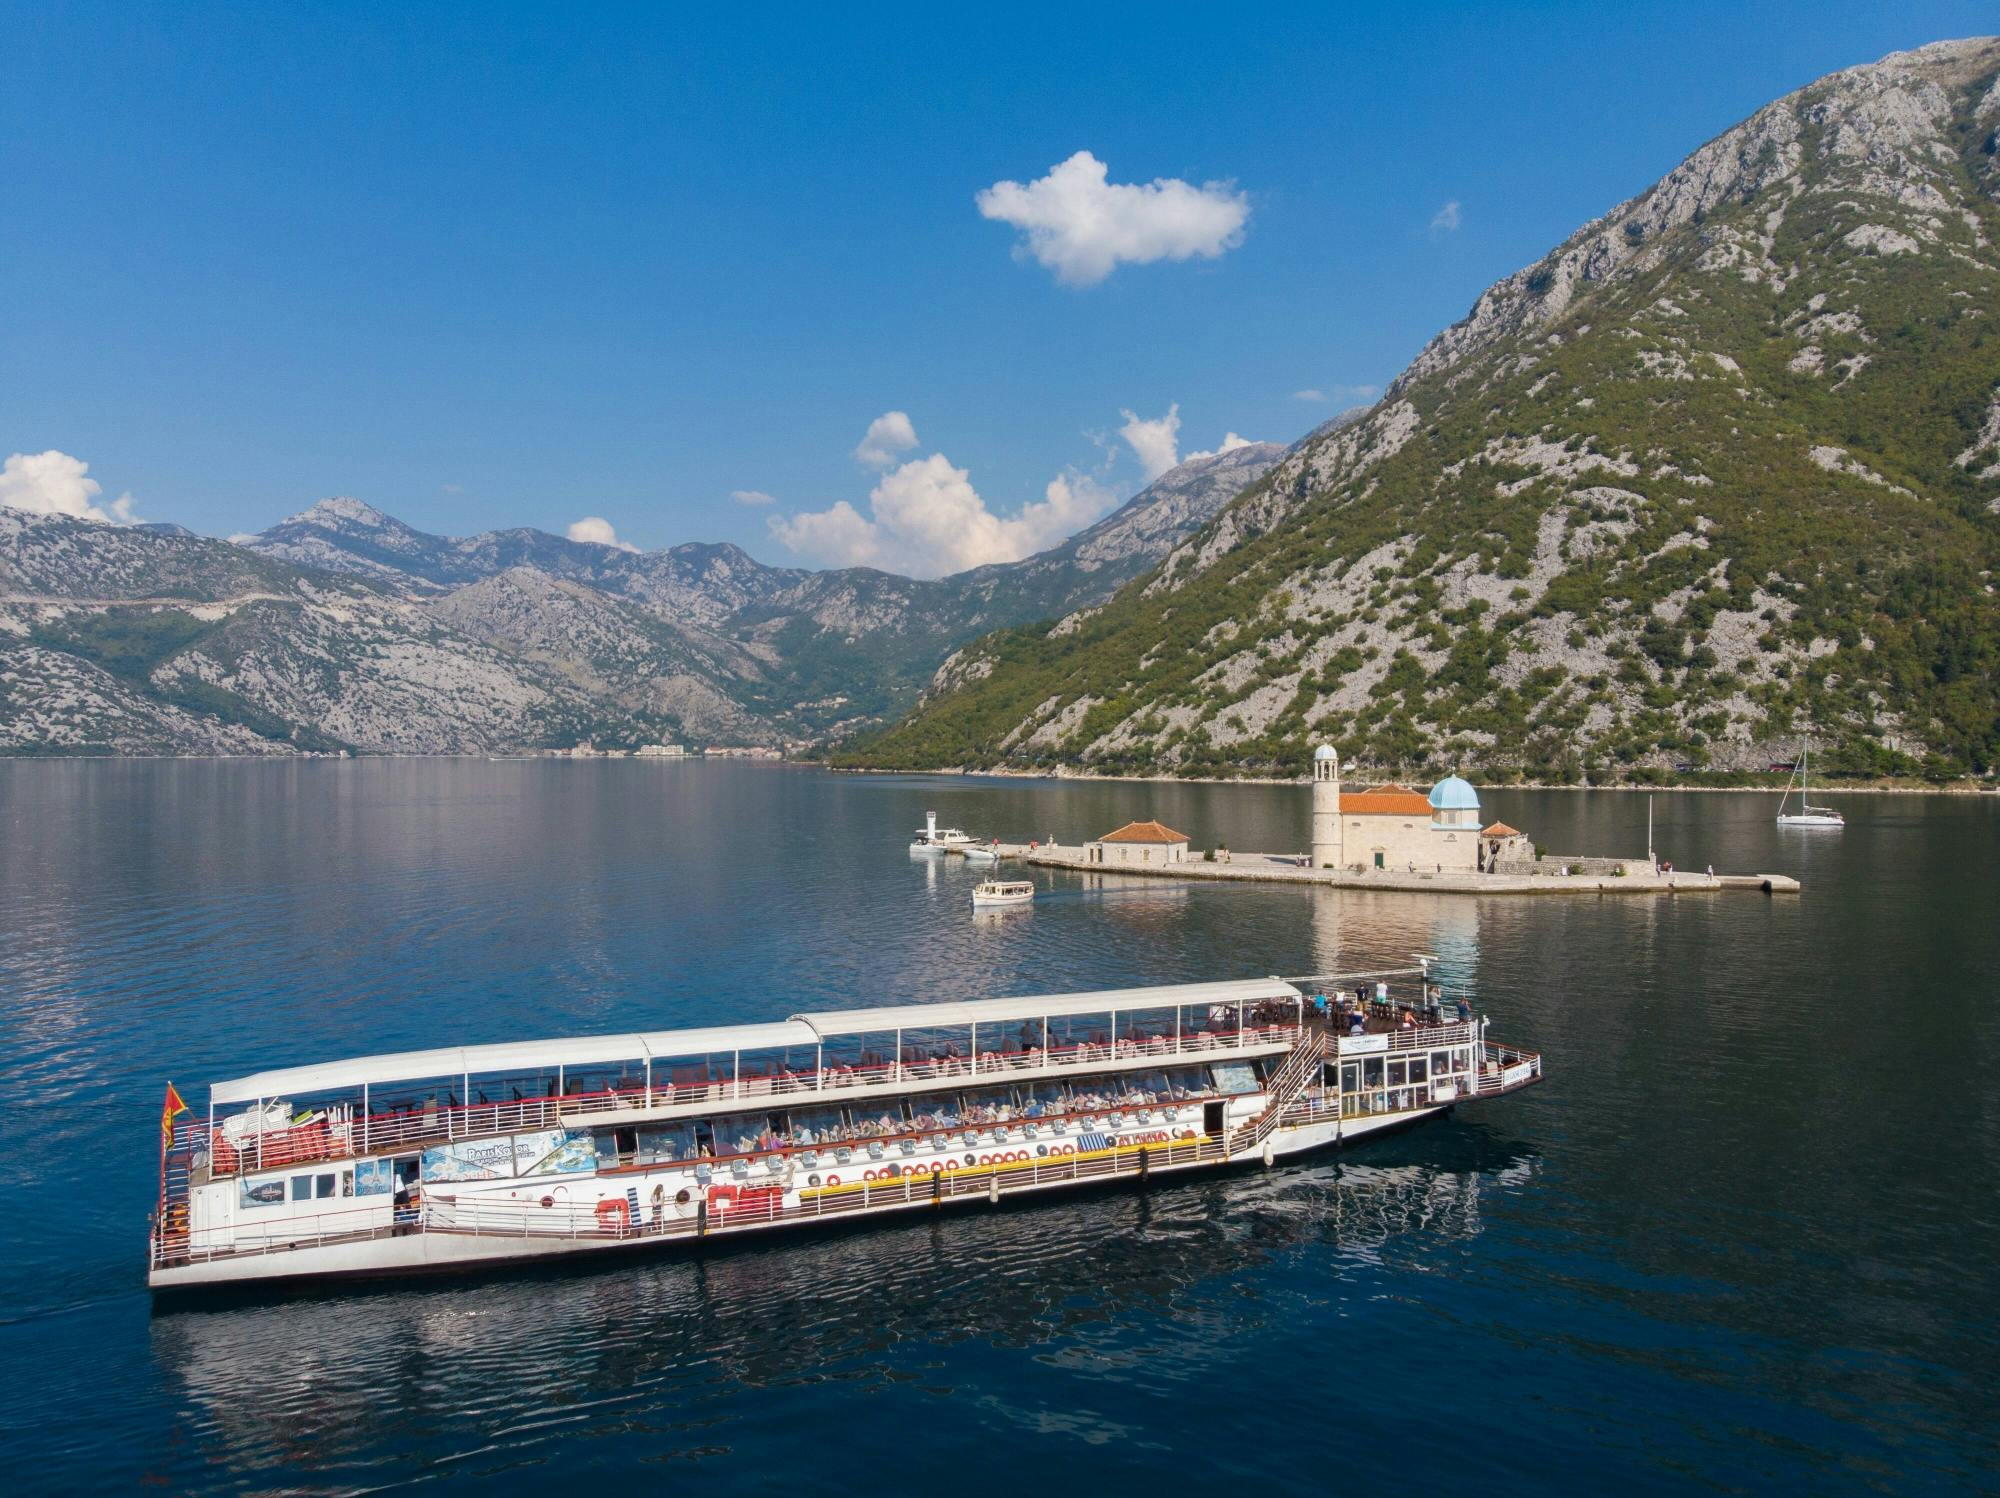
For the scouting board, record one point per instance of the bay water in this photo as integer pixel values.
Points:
(1742, 1239)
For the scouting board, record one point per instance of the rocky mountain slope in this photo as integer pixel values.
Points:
(343, 628)
(1722, 465)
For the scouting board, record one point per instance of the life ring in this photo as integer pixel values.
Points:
(867, 1175)
(613, 1215)
(833, 1180)
(547, 1202)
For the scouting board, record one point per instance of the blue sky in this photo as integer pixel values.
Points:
(495, 265)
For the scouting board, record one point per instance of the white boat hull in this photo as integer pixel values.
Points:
(1812, 820)
(444, 1250)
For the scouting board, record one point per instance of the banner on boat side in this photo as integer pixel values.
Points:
(1363, 1045)
(490, 1159)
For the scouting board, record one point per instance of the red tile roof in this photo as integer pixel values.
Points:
(1144, 832)
(1385, 801)
(1501, 829)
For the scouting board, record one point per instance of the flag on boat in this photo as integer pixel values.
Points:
(173, 1106)
(1093, 1141)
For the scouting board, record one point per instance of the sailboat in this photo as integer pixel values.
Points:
(1807, 815)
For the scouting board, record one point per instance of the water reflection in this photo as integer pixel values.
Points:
(307, 1383)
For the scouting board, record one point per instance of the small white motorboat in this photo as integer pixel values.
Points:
(1807, 815)
(998, 893)
(931, 838)
(980, 853)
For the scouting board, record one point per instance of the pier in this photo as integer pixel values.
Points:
(1291, 868)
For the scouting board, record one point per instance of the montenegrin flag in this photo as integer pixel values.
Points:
(173, 1106)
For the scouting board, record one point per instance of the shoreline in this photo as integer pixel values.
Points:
(1870, 788)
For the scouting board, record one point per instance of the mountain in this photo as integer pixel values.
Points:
(344, 628)
(1723, 465)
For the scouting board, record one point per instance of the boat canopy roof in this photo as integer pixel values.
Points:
(1036, 1006)
(800, 1030)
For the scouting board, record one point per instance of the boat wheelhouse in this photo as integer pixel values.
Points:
(465, 1157)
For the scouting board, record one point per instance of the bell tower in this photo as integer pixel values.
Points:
(1326, 808)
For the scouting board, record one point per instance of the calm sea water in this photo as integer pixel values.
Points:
(1743, 1238)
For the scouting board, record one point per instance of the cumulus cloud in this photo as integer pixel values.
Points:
(1447, 219)
(1079, 224)
(1230, 443)
(888, 434)
(927, 520)
(1155, 443)
(596, 530)
(752, 497)
(54, 483)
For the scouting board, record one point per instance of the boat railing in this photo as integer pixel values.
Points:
(1504, 1067)
(329, 1138)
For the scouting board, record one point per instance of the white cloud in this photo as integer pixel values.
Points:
(752, 497)
(1346, 395)
(452, 488)
(1230, 443)
(1081, 225)
(240, 538)
(54, 483)
(1155, 443)
(888, 434)
(1447, 219)
(926, 520)
(597, 531)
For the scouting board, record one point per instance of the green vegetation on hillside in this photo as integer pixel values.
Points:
(1702, 508)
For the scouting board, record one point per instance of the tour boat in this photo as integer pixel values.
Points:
(468, 1157)
(930, 838)
(1807, 815)
(999, 892)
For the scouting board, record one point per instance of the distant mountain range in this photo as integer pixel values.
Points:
(1721, 467)
(343, 627)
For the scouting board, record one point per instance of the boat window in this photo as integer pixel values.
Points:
(990, 1104)
(1233, 1077)
(323, 1186)
(1187, 1081)
(1371, 1071)
(817, 1125)
(1420, 1069)
(937, 1113)
(1396, 1077)
(302, 1188)
(263, 1193)
(1440, 1062)
(659, 1142)
(1045, 1097)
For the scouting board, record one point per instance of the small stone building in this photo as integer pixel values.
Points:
(1138, 843)
(1501, 841)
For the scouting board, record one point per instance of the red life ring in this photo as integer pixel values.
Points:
(867, 1175)
(833, 1180)
(613, 1215)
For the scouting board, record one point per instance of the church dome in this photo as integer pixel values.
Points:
(1324, 753)
(1454, 794)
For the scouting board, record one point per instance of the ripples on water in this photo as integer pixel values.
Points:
(1742, 1238)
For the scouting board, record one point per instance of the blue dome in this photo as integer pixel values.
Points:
(1453, 794)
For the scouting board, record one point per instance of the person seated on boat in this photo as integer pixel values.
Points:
(1409, 1020)
(805, 1135)
(1357, 1023)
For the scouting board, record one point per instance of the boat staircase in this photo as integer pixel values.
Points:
(1286, 1088)
(176, 1175)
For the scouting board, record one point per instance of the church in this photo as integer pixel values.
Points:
(1395, 827)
